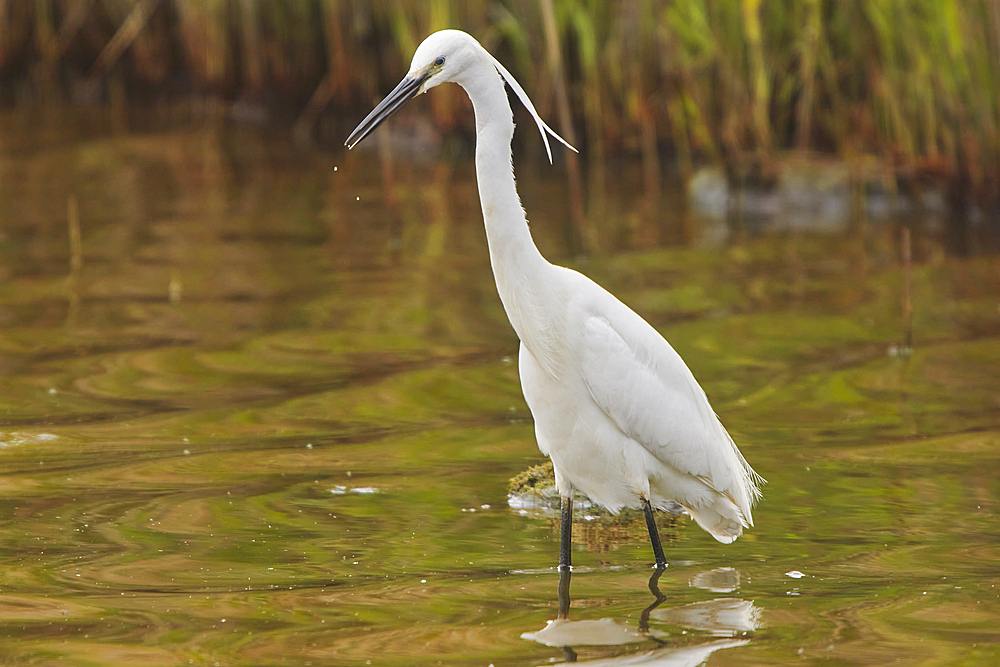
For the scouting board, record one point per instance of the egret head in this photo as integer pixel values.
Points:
(438, 59)
(442, 57)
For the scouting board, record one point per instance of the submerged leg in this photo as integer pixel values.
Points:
(566, 535)
(654, 534)
(565, 574)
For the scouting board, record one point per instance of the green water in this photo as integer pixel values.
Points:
(267, 415)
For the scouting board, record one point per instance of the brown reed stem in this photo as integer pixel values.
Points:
(123, 38)
(582, 240)
(807, 72)
(760, 87)
(907, 289)
(75, 260)
(75, 18)
(75, 239)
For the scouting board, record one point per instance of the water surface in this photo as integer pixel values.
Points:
(265, 413)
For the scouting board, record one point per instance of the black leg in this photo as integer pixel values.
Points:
(654, 534)
(566, 537)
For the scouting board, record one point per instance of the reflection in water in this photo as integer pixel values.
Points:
(724, 617)
(719, 580)
(683, 656)
(604, 632)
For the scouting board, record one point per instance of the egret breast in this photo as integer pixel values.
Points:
(589, 453)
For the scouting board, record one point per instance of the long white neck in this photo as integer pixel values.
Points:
(522, 275)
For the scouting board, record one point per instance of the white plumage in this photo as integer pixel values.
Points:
(615, 407)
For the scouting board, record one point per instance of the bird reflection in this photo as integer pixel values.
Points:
(719, 580)
(722, 618)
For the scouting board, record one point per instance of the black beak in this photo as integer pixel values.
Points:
(400, 95)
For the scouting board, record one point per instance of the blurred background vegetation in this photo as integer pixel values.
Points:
(911, 85)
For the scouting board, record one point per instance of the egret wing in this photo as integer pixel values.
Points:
(649, 393)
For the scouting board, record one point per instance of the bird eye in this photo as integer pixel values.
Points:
(439, 61)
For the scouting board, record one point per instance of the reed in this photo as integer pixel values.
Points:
(917, 81)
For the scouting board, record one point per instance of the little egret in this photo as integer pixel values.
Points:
(615, 407)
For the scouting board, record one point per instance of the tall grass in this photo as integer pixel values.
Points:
(916, 81)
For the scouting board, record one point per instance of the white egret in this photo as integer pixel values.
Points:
(615, 407)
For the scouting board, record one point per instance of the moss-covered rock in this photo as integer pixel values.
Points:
(533, 493)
